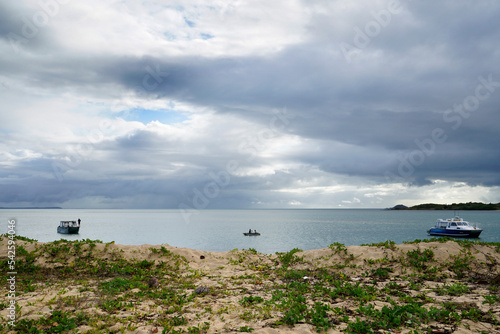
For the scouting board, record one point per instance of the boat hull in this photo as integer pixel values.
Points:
(68, 230)
(455, 233)
(251, 234)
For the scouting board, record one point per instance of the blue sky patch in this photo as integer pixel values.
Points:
(146, 116)
(189, 22)
(206, 36)
(169, 36)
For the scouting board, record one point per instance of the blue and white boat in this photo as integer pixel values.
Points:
(454, 227)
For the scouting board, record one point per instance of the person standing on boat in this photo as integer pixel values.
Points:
(79, 221)
(249, 230)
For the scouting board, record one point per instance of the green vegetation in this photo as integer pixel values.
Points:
(289, 258)
(57, 322)
(387, 244)
(420, 259)
(454, 206)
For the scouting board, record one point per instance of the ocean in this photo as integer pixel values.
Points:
(222, 230)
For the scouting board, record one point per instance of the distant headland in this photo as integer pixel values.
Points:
(454, 206)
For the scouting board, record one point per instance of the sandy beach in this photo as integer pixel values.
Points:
(92, 287)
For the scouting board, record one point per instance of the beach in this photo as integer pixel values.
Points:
(88, 286)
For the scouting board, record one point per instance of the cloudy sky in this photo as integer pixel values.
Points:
(196, 104)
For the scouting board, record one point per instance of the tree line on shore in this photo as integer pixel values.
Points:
(453, 206)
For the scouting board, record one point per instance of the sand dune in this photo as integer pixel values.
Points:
(89, 287)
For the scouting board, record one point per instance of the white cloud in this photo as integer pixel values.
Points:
(179, 28)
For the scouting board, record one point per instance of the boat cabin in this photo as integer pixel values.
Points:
(69, 223)
(452, 223)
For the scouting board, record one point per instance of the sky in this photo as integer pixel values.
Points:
(191, 105)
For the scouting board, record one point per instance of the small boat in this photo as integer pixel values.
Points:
(68, 227)
(251, 233)
(454, 227)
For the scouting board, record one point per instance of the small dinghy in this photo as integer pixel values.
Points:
(250, 233)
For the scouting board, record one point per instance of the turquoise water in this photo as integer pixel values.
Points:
(222, 230)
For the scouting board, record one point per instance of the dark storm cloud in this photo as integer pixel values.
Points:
(358, 109)
(26, 28)
(7, 21)
(385, 108)
(42, 192)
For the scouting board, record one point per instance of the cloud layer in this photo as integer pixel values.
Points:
(238, 104)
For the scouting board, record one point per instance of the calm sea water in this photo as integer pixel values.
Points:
(222, 230)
